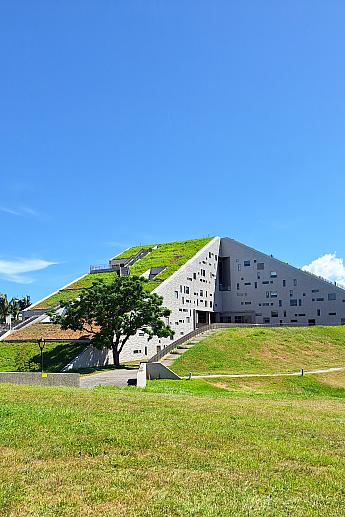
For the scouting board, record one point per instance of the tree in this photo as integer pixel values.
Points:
(15, 309)
(24, 302)
(113, 312)
(5, 309)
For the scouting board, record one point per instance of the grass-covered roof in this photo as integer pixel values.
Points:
(171, 256)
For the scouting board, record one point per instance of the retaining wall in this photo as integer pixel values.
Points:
(48, 379)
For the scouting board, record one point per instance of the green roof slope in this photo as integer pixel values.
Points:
(171, 256)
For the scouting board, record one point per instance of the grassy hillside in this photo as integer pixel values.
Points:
(326, 385)
(171, 255)
(269, 350)
(112, 452)
(26, 356)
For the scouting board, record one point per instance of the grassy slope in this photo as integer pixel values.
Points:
(109, 452)
(256, 350)
(171, 255)
(324, 385)
(26, 356)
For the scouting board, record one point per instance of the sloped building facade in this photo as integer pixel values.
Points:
(228, 282)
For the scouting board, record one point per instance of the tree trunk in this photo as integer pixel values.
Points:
(116, 356)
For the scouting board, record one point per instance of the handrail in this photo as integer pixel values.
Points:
(214, 326)
(187, 337)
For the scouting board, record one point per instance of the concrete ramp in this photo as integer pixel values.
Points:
(160, 371)
(154, 371)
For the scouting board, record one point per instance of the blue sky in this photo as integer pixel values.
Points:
(145, 121)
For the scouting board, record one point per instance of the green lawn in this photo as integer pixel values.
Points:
(26, 356)
(269, 350)
(207, 452)
(324, 385)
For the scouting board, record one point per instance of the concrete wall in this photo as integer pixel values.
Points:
(268, 293)
(50, 379)
(90, 357)
(188, 290)
(159, 371)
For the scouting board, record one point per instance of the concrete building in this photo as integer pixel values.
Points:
(228, 282)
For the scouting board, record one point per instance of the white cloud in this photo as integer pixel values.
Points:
(22, 211)
(9, 211)
(328, 266)
(14, 270)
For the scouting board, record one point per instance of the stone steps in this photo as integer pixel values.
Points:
(178, 351)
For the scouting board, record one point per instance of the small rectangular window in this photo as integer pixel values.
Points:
(274, 294)
(247, 263)
(293, 303)
(274, 274)
(295, 282)
(176, 294)
(332, 296)
(260, 266)
(284, 283)
(274, 314)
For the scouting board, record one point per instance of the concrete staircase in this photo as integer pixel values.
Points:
(168, 359)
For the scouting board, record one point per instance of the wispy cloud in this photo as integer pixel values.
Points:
(15, 270)
(22, 211)
(328, 266)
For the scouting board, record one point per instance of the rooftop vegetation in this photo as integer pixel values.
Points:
(171, 255)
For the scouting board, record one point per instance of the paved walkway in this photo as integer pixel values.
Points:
(238, 375)
(118, 378)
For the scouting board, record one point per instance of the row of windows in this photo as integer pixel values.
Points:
(274, 294)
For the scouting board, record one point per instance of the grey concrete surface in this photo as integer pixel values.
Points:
(160, 371)
(48, 379)
(117, 378)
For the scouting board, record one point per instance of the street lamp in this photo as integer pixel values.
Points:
(41, 343)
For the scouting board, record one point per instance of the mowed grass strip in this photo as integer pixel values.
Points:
(326, 385)
(111, 452)
(264, 350)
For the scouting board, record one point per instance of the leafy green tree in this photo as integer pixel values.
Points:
(5, 309)
(25, 302)
(15, 309)
(113, 312)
